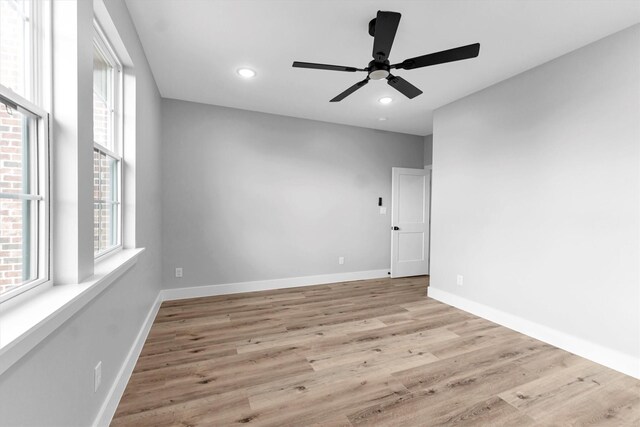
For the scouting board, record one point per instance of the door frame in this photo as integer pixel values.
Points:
(428, 172)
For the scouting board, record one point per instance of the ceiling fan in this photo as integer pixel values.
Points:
(383, 30)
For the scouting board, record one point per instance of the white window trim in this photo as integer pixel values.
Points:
(102, 43)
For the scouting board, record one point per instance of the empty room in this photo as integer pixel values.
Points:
(319, 213)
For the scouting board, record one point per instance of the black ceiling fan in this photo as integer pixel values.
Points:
(383, 30)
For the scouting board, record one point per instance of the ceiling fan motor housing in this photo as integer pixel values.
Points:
(378, 70)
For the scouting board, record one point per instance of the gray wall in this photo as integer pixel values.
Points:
(53, 384)
(536, 195)
(253, 196)
(428, 150)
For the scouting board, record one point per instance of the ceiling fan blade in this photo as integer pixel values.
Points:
(314, 66)
(456, 54)
(349, 91)
(385, 31)
(403, 86)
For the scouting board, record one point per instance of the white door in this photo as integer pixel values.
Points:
(410, 222)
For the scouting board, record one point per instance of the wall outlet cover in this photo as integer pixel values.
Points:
(178, 271)
(341, 260)
(460, 280)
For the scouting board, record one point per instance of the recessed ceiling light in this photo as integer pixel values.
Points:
(247, 73)
(385, 100)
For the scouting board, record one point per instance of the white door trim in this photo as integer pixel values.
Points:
(409, 222)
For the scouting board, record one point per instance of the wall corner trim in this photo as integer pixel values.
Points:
(114, 395)
(610, 358)
(265, 285)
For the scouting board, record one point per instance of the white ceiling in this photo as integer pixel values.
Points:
(194, 48)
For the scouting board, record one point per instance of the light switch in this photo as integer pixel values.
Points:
(383, 210)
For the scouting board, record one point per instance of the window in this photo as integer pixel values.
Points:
(24, 205)
(107, 146)
(16, 33)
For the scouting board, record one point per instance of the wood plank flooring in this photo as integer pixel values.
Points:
(374, 352)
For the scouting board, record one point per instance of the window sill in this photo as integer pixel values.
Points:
(26, 324)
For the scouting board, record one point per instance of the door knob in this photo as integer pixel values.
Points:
(395, 228)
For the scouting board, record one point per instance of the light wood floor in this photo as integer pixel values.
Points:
(376, 352)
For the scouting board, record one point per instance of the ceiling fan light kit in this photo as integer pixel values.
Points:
(378, 70)
(383, 30)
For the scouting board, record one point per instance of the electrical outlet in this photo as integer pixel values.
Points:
(178, 271)
(97, 376)
(460, 280)
(341, 260)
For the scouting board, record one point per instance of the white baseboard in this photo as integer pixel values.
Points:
(613, 359)
(264, 285)
(110, 404)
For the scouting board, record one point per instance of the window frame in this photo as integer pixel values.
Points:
(39, 174)
(34, 102)
(102, 44)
